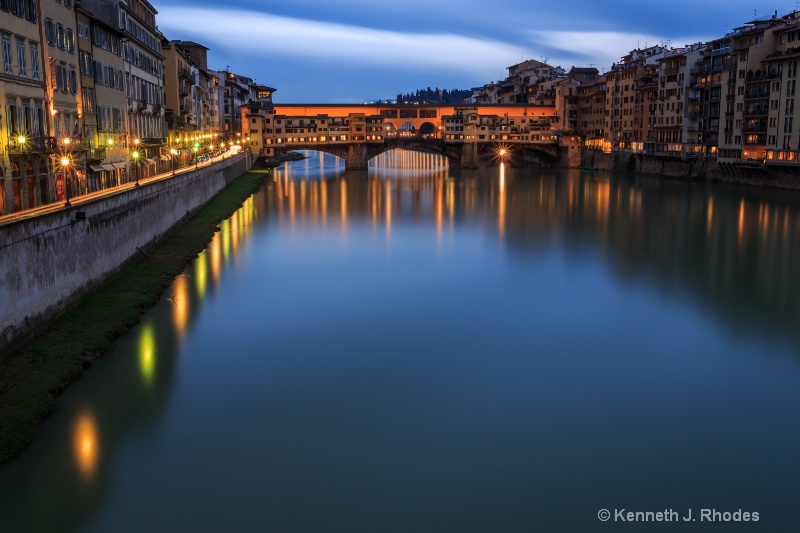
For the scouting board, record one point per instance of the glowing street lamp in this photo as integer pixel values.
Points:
(65, 165)
(135, 156)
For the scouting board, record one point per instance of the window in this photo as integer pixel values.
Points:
(73, 81)
(50, 32)
(60, 37)
(8, 68)
(87, 96)
(85, 61)
(35, 61)
(70, 41)
(23, 72)
(60, 77)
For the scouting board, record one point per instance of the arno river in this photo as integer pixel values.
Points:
(425, 350)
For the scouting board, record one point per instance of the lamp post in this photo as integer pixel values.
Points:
(174, 152)
(135, 156)
(65, 166)
(66, 142)
(195, 156)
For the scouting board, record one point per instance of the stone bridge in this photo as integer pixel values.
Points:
(459, 154)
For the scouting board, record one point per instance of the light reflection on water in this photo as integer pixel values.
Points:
(502, 349)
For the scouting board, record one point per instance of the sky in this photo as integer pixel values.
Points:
(348, 51)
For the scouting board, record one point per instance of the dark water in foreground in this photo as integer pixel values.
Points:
(498, 350)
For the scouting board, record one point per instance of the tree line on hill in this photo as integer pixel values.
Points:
(434, 96)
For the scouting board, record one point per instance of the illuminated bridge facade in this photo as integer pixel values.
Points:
(463, 133)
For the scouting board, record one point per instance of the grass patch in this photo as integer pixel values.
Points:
(32, 375)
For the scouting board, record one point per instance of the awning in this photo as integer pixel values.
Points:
(166, 158)
(118, 165)
(149, 161)
(108, 167)
(97, 168)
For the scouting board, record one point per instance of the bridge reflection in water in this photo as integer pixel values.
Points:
(733, 253)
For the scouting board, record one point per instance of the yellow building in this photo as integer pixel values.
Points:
(25, 161)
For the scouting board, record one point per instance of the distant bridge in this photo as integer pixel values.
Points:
(357, 133)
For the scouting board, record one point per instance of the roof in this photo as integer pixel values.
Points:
(190, 44)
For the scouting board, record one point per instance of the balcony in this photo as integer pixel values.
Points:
(704, 69)
(761, 111)
(185, 74)
(729, 64)
(96, 154)
(721, 51)
(757, 94)
(185, 110)
(32, 145)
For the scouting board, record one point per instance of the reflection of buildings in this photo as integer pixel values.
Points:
(737, 254)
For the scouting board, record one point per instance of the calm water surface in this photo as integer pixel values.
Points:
(495, 350)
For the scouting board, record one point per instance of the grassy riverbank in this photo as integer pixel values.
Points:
(34, 374)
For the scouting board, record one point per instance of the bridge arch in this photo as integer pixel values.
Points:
(428, 130)
(407, 129)
(389, 130)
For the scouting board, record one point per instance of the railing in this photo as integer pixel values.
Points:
(704, 69)
(764, 93)
(186, 74)
(756, 112)
(32, 145)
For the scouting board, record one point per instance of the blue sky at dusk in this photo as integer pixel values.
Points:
(356, 50)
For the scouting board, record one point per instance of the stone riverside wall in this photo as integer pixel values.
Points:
(49, 262)
(694, 169)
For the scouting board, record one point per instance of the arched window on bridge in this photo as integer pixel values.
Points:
(389, 130)
(427, 130)
(408, 130)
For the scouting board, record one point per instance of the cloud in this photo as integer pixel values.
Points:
(267, 35)
(599, 47)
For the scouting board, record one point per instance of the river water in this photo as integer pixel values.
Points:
(430, 350)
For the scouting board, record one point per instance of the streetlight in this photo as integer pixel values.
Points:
(195, 155)
(174, 152)
(135, 156)
(65, 166)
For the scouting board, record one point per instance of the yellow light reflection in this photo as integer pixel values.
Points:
(226, 239)
(147, 353)
(201, 275)
(216, 257)
(323, 186)
(388, 187)
(439, 188)
(85, 444)
(709, 214)
(501, 207)
(343, 203)
(740, 232)
(235, 232)
(180, 302)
